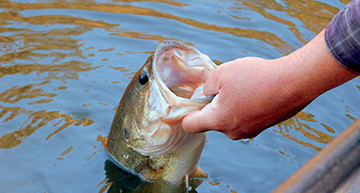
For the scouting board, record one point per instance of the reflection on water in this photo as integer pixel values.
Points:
(65, 64)
(318, 15)
(68, 150)
(35, 120)
(266, 37)
(298, 122)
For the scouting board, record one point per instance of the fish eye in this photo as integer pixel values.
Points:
(143, 79)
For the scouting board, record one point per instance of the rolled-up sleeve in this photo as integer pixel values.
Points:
(342, 36)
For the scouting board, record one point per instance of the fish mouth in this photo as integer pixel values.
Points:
(182, 70)
(178, 72)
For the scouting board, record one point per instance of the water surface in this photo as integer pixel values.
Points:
(64, 66)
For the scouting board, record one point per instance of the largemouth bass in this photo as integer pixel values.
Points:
(146, 136)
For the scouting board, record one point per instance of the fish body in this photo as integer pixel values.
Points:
(146, 136)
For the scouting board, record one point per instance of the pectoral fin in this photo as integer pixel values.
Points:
(151, 174)
(198, 173)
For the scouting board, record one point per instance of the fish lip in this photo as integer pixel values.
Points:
(168, 44)
(166, 92)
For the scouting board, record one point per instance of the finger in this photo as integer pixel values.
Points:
(211, 86)
(198, 121)
(193, 123)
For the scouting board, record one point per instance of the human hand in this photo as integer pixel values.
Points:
(250, 97)
(253, 93)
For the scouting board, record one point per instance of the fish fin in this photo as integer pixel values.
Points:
(151, 174)
(187, 182)
(198, 173)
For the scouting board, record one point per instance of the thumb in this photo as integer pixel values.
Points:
(201, 120)
(194, 122)
(212, 84)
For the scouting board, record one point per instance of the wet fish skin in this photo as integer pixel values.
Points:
(116, 144)
(146, 135)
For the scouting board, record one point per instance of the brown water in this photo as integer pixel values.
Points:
(64, 66)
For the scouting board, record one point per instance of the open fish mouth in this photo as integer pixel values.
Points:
(178, 73)
(182, 70)
(146, 135)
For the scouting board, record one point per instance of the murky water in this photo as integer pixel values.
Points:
(64, 66)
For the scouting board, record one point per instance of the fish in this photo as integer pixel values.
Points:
(146, 136)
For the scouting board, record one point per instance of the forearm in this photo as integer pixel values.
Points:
(313, 70)
(324, 62)
(253, 94)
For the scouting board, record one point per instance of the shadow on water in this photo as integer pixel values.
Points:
(119, 180)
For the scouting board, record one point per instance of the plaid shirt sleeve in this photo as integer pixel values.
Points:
(342, 36)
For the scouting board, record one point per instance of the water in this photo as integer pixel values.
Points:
(64, 66)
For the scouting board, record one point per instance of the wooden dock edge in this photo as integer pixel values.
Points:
(334, 168)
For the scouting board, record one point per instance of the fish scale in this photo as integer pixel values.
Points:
(146, 136)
